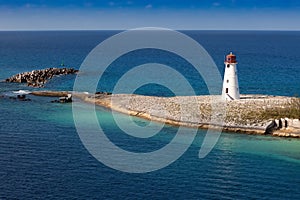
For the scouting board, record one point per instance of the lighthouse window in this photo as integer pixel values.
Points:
(226, 91)
(228, 66)
(227, 81)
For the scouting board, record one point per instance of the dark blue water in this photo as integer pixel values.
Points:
(268, 61)
(41, 155)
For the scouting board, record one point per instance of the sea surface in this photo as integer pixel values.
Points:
(42, 156)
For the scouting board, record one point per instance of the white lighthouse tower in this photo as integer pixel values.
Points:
(230, 83)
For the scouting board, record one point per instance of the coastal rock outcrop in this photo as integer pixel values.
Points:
(37, 78)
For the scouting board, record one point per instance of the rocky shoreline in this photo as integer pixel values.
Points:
(37, 78)
(242, 116)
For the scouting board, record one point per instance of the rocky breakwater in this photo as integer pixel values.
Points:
(37, 78)
(252, 114)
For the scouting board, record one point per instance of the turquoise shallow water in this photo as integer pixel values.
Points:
(41, 155)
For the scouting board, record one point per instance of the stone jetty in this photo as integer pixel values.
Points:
(37, 78)
(252, 114)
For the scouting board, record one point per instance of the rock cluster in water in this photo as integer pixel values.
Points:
(21, 97)
(37, 78)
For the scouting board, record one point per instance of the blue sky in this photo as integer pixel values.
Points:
(174, 14)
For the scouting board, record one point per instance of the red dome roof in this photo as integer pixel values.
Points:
(231, 58)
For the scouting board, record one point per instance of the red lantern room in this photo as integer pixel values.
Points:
(231, 58)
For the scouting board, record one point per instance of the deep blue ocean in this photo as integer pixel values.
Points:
(42, 156)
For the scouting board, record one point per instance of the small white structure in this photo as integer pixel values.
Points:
(230, 83)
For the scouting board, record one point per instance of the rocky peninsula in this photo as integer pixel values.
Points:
(37, 78)
(252, 114)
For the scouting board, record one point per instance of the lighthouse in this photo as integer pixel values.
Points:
(230, 83)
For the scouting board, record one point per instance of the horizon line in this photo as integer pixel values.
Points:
(283, 30)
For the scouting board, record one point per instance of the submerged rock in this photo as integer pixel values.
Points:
(64, 99)
(67, 99)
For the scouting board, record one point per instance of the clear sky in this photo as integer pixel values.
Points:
(174, 14)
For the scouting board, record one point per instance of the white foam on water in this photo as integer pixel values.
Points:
(21, 92)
